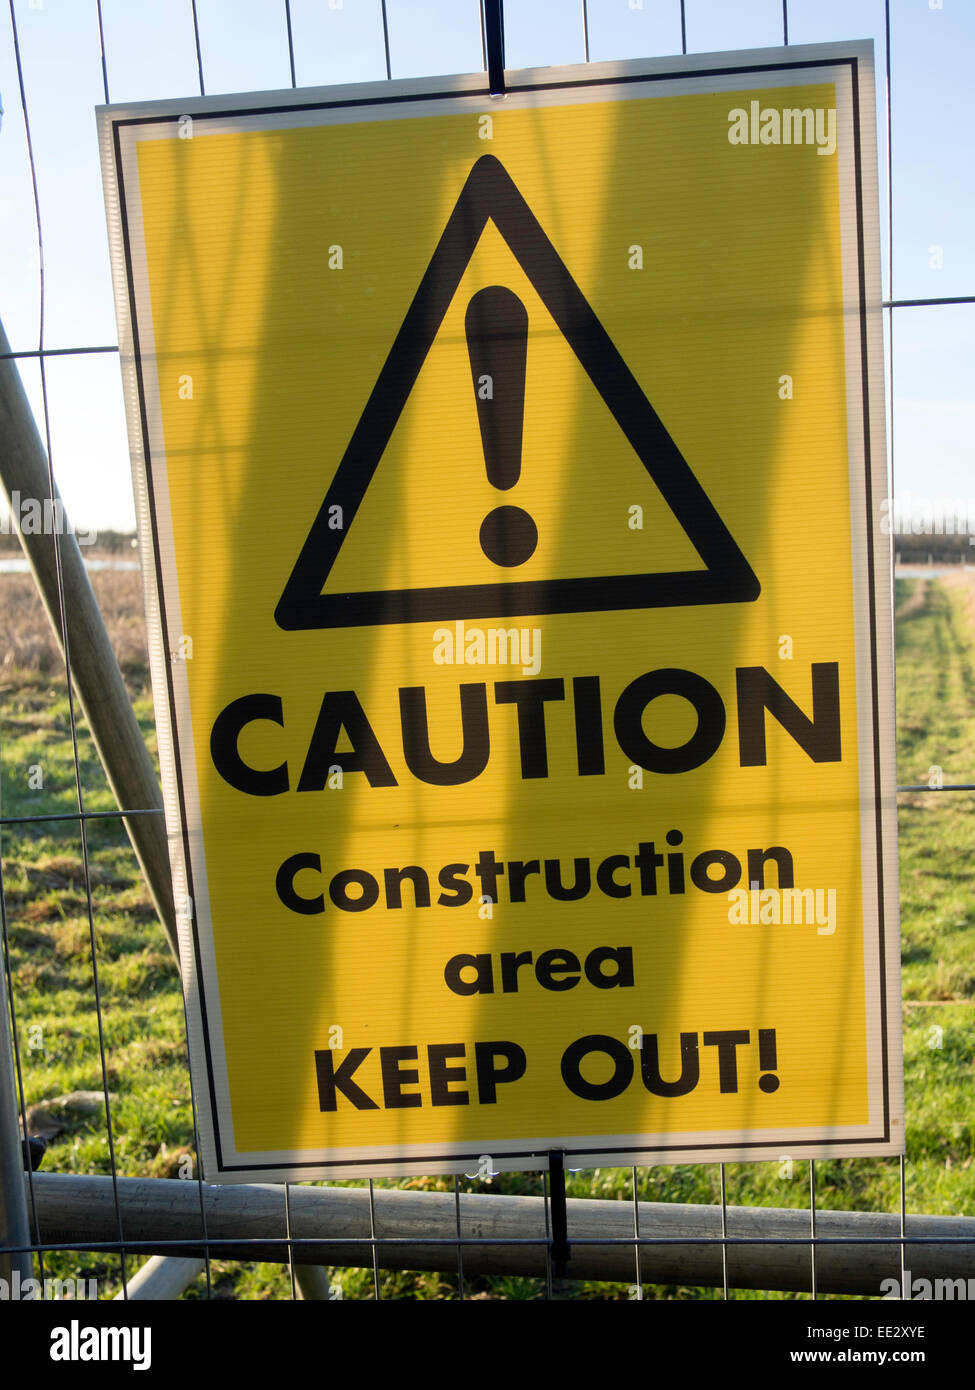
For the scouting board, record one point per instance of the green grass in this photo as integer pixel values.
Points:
(49, 936)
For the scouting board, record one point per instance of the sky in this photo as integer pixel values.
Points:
(150, 53)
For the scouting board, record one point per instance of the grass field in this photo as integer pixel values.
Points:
(50, 939)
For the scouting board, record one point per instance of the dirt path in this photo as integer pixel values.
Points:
(962, 582)
(916, 601)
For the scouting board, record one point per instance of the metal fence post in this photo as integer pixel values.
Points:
(94, 669)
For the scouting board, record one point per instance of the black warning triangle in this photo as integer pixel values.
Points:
(489, 192)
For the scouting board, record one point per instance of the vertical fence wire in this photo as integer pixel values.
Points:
(888, 103)
(636, 1233)
(546, 1193)
(291, 1248)
(66, 642)
(389, 65)
(291, 42)
(724, 1234)
(207, 1270)
(8, 1017)
(101, 49)
(812, 1229)
(375, 1245)
(890, 242)
(199, 52)
(460, 1240)
(812, 1177)
(639, 1240)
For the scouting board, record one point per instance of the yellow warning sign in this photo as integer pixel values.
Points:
(508, 473)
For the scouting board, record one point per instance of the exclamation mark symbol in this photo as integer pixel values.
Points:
(767, 1060)
(497, 344)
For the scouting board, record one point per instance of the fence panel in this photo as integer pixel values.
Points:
(97, 1057)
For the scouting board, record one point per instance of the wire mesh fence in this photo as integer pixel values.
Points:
(92, 991)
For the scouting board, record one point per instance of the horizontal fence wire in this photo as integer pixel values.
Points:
(488, 1242)
(639, 1242)
(156, 811)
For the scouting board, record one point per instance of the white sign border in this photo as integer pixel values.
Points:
(120, 127)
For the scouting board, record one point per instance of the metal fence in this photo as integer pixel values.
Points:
(464, 1229)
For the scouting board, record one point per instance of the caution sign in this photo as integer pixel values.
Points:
(509, 474)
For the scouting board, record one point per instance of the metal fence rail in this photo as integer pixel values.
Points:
(466, 1233)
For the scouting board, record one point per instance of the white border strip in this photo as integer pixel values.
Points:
(417, 98)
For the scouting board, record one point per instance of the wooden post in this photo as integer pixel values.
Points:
(94, 670)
